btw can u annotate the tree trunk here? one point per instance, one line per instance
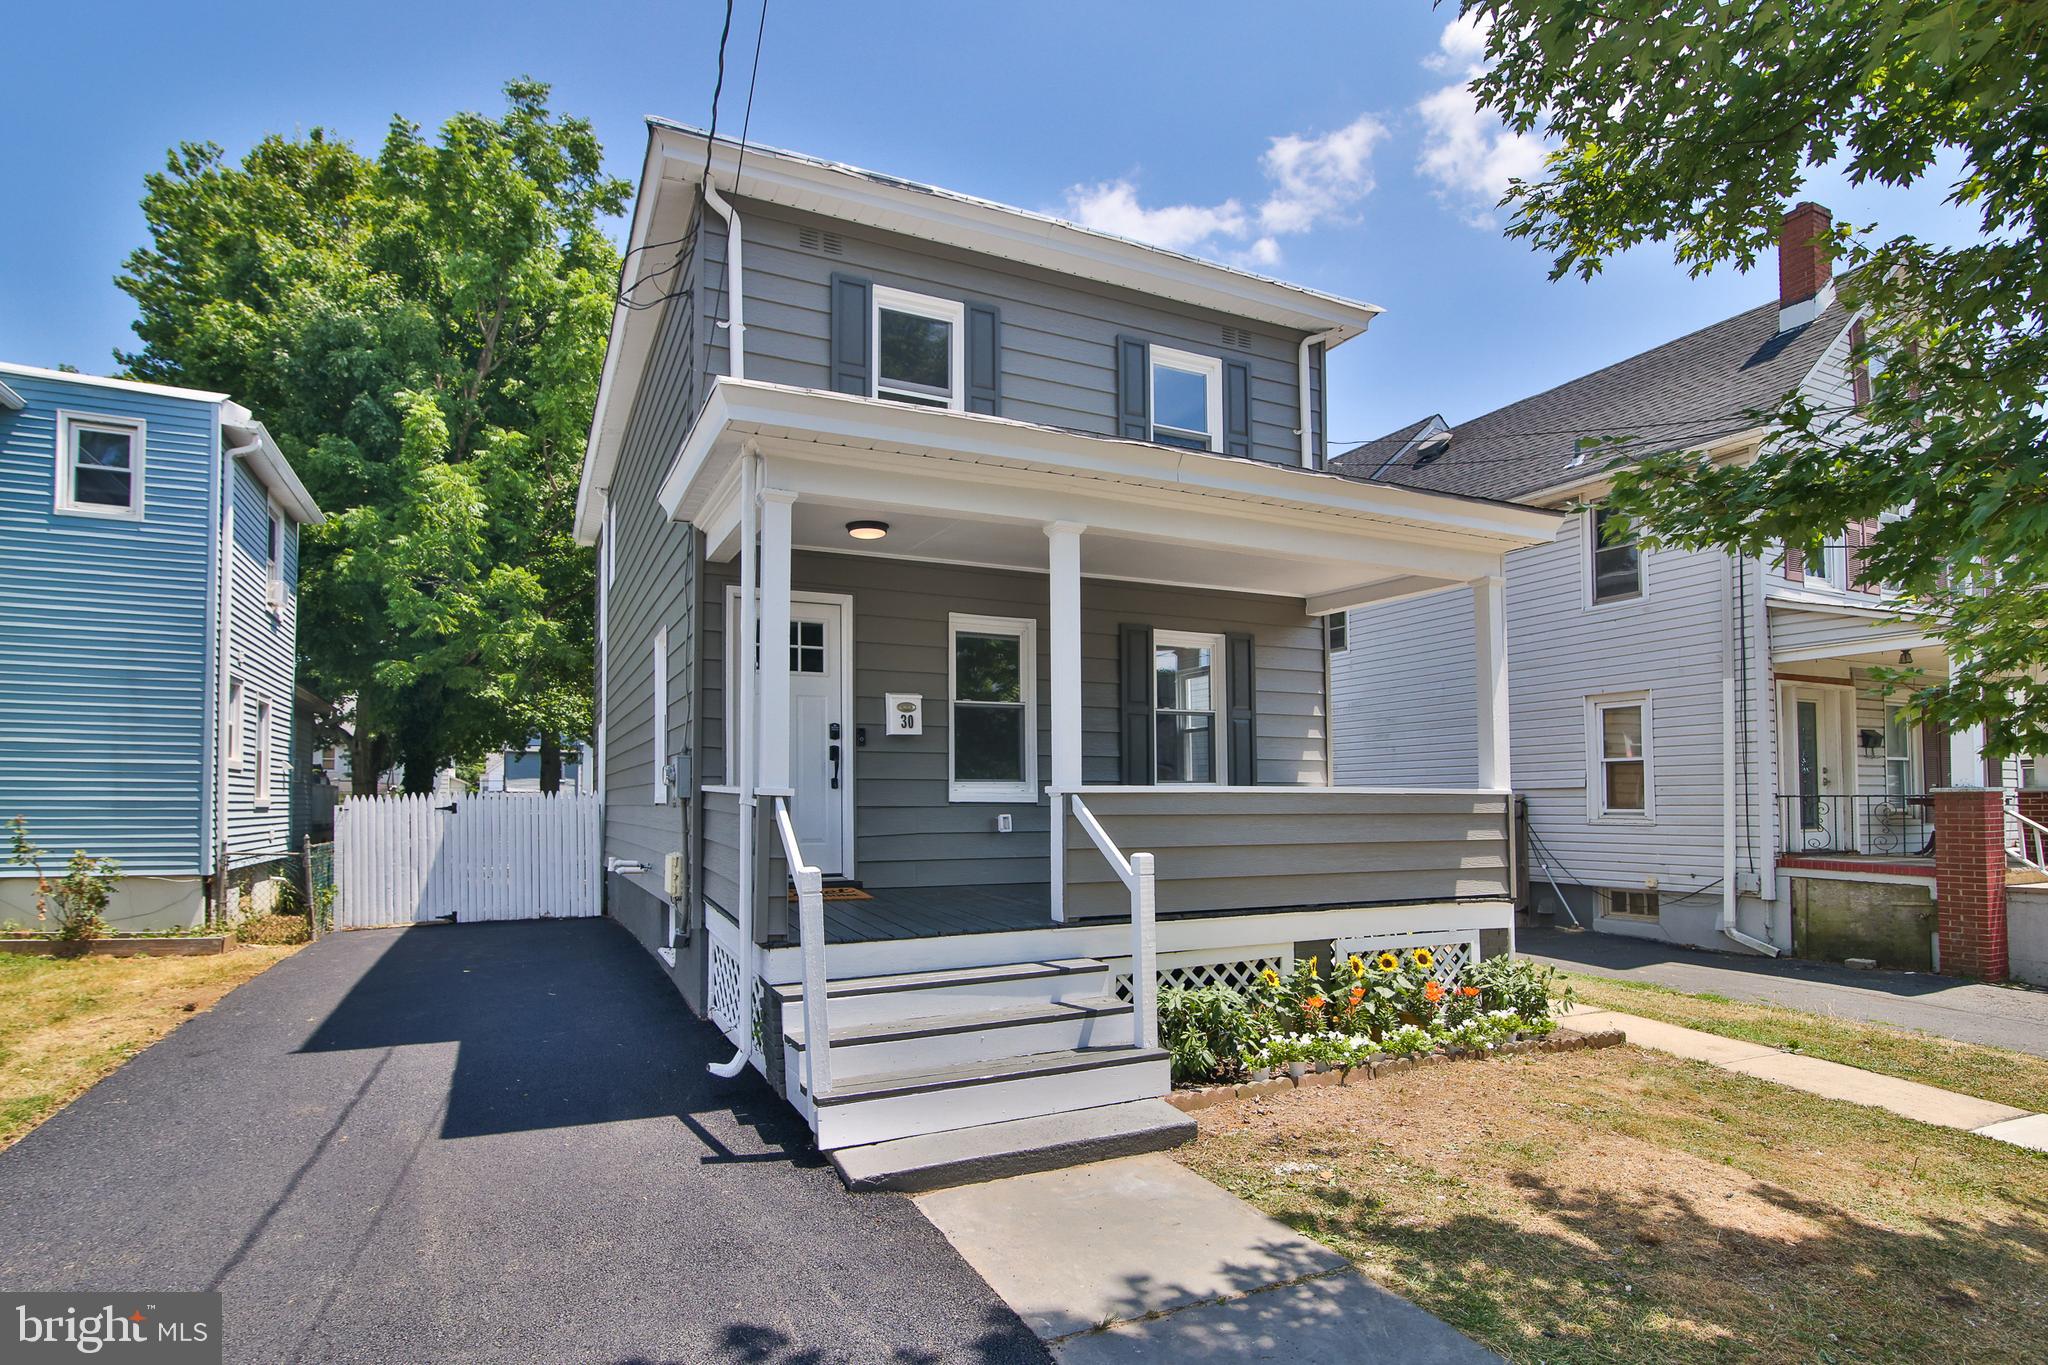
(550, 762)
(362, 764)
(419, 775)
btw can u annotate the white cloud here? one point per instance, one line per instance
(1467, 151)
(1314, 180)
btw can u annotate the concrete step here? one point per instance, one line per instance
(932, 1042)
(962, 990)
(962, 1156)
(879, 1108)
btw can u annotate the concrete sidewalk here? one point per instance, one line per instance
(1831, 1080)
(1141, 1259)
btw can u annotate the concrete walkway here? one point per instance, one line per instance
(1141, 1259)
(1967, 1011)
(1832, 1080)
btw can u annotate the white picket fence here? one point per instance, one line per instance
(407, 859)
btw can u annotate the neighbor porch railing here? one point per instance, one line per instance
(1884, 824)
(1135, 872)
(2030, 837)
(810, 916)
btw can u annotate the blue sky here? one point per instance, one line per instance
(1333, 148)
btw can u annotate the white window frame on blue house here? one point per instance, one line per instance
(69, 426)
(265, 725)
(237, 721)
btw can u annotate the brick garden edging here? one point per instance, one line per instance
(1187, 1101)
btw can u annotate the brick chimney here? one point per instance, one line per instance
(1806, 284)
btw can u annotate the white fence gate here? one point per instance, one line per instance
(405, 859)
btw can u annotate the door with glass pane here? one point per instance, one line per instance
(1188, 707)
(1814, 766)
(821, 772)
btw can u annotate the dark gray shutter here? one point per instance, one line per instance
(1237, 409)
(984, 359)
(1133, 389)
(1135, 682)
(1244, 696)
(852, 329)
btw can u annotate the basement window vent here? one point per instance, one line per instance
(1237, 338)
(811, 239)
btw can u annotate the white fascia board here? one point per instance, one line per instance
(1848, 649)
(607, 429)
(982, 225)
(1596, 483)
(270, 467)
(1796, 600)
(1379, 594)
(11, 400)
(100, 381)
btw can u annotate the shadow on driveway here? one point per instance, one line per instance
(485, 1142)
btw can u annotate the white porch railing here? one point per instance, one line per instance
(2030, 843)
(1136, 874)
(810, 915)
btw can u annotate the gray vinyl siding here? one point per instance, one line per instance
(907, 832)
(1059, 335)
(1795, 628)
(1409, 688)
(262, 656)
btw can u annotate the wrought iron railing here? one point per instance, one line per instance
(1894, 824)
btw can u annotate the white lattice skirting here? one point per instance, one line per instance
(723, 995)
(1453, 953)
(1197, 969)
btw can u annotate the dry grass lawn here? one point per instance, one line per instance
(1621, 1205)
(66, 1022)
(1989, 1073)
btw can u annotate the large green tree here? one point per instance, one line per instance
(1696, 123)
(422, 332)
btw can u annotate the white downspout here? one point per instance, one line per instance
(1307, 429)
(1730, 778)
(748, 743)
(223, 648)
(736, 303)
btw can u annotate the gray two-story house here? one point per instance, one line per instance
(963, 580)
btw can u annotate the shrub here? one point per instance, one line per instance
(81, 894)
(274, 929)
(1527, 988)
(1204, 1030)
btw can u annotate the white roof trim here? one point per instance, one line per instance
(10, 399)
(131, 385)
(269, 465)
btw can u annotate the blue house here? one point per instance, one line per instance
(149, 541)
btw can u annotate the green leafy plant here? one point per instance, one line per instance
(1205, 1031)
(1528, 988)
(81, 894)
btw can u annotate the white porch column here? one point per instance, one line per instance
(1490, 637)
(773, 777)
(1966, 757)
(1064, 559)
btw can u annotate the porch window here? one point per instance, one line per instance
(1187, 398)
(1188, 678)
(1900, 747)
(1617, 562)
(99, 466)
(918, 344)
(1621, 750)
(992, 686)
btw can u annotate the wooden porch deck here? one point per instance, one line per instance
(937, 911)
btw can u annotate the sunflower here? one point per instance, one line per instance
(1423, 958)
(1270, 977)
(1357, 965)
(1387, 962)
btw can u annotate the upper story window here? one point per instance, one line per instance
(99, 466)
(263, 748)
(1617, 566)
(1337, 631)
(1187, 398)
(273, 552)
(234, 722)
(918, 345)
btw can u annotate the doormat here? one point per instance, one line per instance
(837, 893)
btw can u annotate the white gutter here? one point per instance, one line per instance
(1329, 339)
(749, 771)
(1730, 778)
(736, 303)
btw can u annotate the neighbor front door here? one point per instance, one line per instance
(820, 738)
(1816, 768)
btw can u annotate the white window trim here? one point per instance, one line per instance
(951, 311)
(1608, 896)
(1913, 755)
(1026, 630)
(1592, 547)
(1219, 702)
(237, 721)
(1337, 623)
(68, 424)
(1596, 766)
(1210, 368)
(274, 566)
(661, 715)
(265, 725)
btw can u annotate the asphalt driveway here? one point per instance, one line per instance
(486, 1142)
(1967, 1011)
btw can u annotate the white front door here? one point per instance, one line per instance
(1816, 769)
(820, 737)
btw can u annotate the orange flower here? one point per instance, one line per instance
(1314, 1002)
(1468, 991)
(1432, 992)
(1357, 994)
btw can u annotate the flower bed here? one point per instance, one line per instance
(1365, 1013)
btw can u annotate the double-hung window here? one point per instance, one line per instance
(262, 799)
(99, 466)
(1337, 631)
(660, 722)
(919, 348)
(273, 551)
(1187, 399)
(1617, 566)
(233, 722)
(992, 690)
(1899, 752)
(1189, 708)
(1621, 753)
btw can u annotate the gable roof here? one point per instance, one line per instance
(1686, 393)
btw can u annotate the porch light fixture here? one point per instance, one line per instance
(867, 530)
(1905, 656)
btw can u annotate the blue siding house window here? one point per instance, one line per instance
(100, 465)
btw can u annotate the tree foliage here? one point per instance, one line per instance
(422, 332)
(1696, 123)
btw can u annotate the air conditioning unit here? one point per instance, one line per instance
(274, 594)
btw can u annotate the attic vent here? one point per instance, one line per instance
(1432, 449)
(1237, 338)
(813, 240)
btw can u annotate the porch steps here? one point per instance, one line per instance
(877, 999)
(1013, 1029)
(1045, 1142)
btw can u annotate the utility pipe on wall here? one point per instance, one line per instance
(735, 295)
(1307, 432)
(1731, 676)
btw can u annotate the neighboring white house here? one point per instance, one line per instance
(1704, 756)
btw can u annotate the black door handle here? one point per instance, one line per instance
(833, 751)
(450, 808)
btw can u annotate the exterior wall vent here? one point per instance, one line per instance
(1237, 338)
(811, 239)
